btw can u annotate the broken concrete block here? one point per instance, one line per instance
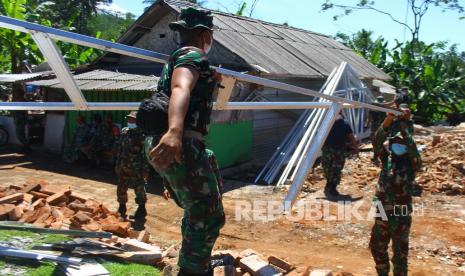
(43, 214)
(257, 267)
(12, 198)
(37, 204)
(136, 246)
(281, 264)
(144, 236)
(77, 206)
(92, 226)
(80, 218)
(16, 213)
(58, 197)
(117, 228)
(145, 257)
(247, 253)
(79, 197)
(67, 213)
(28, 198)
(321, 272)
(57, 214)
(343, 274)
(30, 187)
(228, 270)
(5, 209)
(38, 195)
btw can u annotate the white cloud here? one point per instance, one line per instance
(112, 8)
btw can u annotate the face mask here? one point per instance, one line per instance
(132, 126)
(399, 149)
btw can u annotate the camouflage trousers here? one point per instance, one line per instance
(196, 186)
(138, 182)
(397, 230)
(333, 161)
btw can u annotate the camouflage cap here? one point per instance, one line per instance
(404, 106)
(192, 18)
(380, 99)
(133, 114)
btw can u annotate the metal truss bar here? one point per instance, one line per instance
(300, 90)
(275, 105)
(26, 27)
(58, 64)
(311, 155)
(135, 105)
(23, 26)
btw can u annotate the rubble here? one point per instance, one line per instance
(50, 207)
(443, 157)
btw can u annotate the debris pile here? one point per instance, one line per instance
(56, 207)
(443, 157)
(43, 208)
(249, 262)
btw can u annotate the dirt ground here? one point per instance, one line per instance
(437, 238)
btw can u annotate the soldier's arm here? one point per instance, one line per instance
(169, 149)
(382, 133)
(412, 148)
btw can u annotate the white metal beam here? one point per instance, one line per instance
(58, 64)
(23, 26)
(135, 105)
(311, 155)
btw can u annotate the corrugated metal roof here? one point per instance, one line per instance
(22, 77)
(102, 80)
(283, 50)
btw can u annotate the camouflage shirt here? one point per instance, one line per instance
(201, 100)
(398, 172)
(377, 119)
(130, 156)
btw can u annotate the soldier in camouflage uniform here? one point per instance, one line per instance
(190, 170)
(101, 140)
(80, 138)
(375, 119)
(334, 153)
(400, 159)
(131, 167)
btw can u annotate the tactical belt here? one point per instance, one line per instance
(193, 135)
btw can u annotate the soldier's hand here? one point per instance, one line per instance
(167, 151)
(166, 195)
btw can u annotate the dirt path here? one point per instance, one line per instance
(437, 238)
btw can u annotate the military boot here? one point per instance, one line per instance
(140, 213)
(122, 210)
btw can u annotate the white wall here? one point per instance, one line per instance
(53, 136)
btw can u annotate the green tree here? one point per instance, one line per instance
(375, 51)
(435, 74)
(418, 8)
(151, 2)
(113, 25)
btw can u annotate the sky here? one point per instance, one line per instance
(307, 14)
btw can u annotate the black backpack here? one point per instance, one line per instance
(152, 117)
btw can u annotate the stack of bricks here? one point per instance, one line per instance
(48, 206)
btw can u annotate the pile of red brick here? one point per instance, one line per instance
(60, 208)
